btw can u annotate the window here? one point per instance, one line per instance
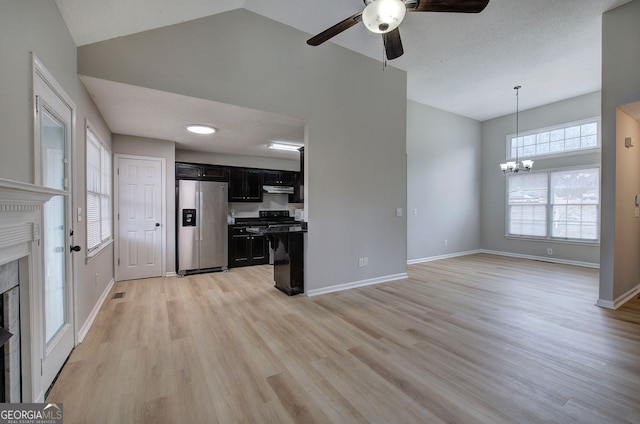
(575, 196)
(527, 201)
(568, 138)
(99, 218)
(559, 204)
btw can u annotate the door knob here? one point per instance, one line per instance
(157, 224)
(75, 248)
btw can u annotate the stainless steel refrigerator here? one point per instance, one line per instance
(202, 226)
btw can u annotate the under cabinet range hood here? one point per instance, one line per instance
(278, 189)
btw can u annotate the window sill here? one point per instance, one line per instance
(91, 256)
(554, 240)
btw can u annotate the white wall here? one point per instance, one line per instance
(235, 160)
(627, 232)
(36, 26)
(141, 146)
(443, 182)
(494, 133)
(620, 86)
(355, 114)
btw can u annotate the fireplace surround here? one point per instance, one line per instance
(21, 259)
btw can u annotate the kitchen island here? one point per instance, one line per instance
(287, 242)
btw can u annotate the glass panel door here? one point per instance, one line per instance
(54, 330)
(53, 141)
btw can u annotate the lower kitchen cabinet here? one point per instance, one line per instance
(247, 249)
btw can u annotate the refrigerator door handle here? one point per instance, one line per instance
(201, 210)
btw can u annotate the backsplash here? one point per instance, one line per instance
(269, 201)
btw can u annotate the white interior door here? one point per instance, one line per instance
(140, 230)
(53, 133)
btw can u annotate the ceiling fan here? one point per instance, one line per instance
(384, 17)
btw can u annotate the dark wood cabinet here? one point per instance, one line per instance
(246, 249)
(279, 178)
(298, 194)
(202, 172)
(288, 264)
(245, 185)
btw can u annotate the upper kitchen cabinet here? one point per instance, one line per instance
(245, 185)
(202, 172)
(279, 178)
(298, 195)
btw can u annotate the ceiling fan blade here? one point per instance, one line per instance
(455, 6)
(393, 44)
(335, 30)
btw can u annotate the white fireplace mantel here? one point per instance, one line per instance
(21, 207)
(18, 194)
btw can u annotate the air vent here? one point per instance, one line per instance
(119, 295)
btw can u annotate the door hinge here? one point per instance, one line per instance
(41, 371)
(118, 216)
(37, 104)
(118, 261)
(118, 171)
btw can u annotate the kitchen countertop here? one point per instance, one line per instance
(258, 222)
(280, 229)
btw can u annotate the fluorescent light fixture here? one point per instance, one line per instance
(201, 129)
(279, 145)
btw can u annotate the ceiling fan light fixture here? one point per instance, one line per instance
(382, 16)
(201, 129)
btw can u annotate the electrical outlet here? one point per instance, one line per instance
(365, 261)
(550, 251)
(360, 262)
(446, 243)
(96, 278)
(415, 211)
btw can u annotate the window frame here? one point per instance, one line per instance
(549, 205)
(564, 153)
(103, 149)
(549, 209)
(508, 215)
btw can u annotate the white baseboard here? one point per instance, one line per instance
(94, 312)
(541, 258)
(621, 300)
(437, 258)
(508, 254)
(170, 274)
(354, 284)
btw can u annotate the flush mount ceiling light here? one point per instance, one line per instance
(281, 145)
(382, 16)
(201, 129)
(516, 166)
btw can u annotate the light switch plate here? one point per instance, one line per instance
(79, 215)
(399, 212)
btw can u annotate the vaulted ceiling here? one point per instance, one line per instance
(463, 63)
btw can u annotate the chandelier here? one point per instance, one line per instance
(516, 166)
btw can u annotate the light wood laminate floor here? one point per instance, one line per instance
(477, 339)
